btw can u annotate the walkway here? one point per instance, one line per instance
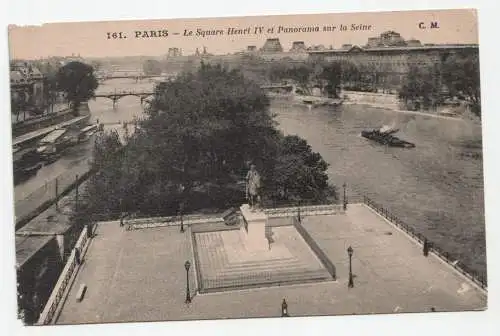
(139, 276)
(38, 133)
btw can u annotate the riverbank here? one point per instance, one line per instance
(391, 102)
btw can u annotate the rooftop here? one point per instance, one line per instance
(396, 49)
(27, 246)
(138, 275)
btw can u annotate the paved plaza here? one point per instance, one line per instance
(139, 276)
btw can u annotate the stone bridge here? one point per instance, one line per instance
(115, 96)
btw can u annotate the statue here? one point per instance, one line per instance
(253, 187)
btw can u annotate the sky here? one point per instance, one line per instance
(91, 39)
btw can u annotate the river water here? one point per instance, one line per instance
(437, 187)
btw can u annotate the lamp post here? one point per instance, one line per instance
(181, 206)
(180, 214)
(298, 213)
(350, 252)
(187, 264)
(284, 309)
(345, 199)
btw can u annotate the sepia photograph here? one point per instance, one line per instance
(247, 167)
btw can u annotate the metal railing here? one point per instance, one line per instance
(29, 206)
(305, 210)
(59, 290)
(479, 279)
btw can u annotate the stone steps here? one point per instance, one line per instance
(263, 279)
(225, 264)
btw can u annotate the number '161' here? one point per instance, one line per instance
(116, 35)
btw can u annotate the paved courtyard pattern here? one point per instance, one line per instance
(139, 276)
(225, 263)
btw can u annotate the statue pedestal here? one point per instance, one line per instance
(253, 231)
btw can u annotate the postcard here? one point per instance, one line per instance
(246, 167)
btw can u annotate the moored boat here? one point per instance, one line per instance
(385, 137)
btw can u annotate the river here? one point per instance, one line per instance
(437, 187)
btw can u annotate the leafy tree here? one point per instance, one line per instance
(461, 76)
(152, 67)
(102, 189)
(332, 74)
(421, 87)
(350, 75)
(299, 172)
(78, 81)
(301, 73)
(201, 131)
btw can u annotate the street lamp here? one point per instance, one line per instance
(298, 213)
(182, 219)
(284, 309)
(187, 264)
(345, 198)
(350, 252)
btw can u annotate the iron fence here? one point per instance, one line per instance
(59, 290)
(480, 279)
(50, 191)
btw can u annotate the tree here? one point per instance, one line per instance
(301, 73)
(78, 81)
(461, 76)
(299, 172)
(421, 87)
(152, 67)
(351, 75)
(332, 74)
(201, 131)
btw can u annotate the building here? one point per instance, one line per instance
(42, 247)
(272, 45)
(298, 46)
(389, 57)
(27, 85)
(174, 52)
(38, 265)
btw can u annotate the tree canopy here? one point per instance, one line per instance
(422, 86)
(461, 76)
(78, 81)
(194, 147)
(152, 67)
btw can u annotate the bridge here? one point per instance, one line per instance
(136, 77)
(117, 95)
(143, 95)
(103, 76)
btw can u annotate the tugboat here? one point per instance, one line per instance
(384, 136)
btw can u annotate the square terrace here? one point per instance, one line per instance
(139, 275)
(223, 263)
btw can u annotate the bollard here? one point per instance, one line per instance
(426, 247)
(284, 309)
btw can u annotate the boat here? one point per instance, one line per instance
(27, 162)
(86, 133)
(52, 145)
(384, 136)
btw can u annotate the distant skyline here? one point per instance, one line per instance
(90, 39)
